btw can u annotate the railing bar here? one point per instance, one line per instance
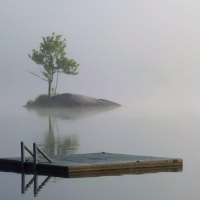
(29, 151)
(45, 156)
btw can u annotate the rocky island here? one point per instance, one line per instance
(69, 106)
(69, 100)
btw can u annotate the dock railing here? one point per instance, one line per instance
(33, 153)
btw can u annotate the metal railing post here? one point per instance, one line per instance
(22, 154)
(34, 155)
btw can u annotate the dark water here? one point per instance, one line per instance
(117, 131)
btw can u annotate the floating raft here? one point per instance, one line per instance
(93, 164)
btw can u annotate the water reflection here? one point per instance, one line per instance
(54, 144)
(71, 113)
(34, 180)
(38, 187)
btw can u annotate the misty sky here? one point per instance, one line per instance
(140, 53)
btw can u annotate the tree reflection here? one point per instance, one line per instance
(59, 145)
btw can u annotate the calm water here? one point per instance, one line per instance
(117, 131)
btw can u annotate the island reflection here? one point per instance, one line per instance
(55, 144)
(70, 113)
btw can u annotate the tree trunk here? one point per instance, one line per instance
(56, 82)
(49, 87)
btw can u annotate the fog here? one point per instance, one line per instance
(141, 54)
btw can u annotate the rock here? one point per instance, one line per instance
(75, 100)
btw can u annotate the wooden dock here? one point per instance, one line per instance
(93, 164)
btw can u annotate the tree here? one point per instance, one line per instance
(52, 56)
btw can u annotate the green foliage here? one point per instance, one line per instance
(52, 56)
(39, 101)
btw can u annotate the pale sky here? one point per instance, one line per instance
(140, 53)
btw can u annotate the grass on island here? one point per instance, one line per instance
(39, 101)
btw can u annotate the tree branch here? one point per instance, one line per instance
(38, 76)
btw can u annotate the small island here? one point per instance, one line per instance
(51, 55)
(69, 100)
(69, 106)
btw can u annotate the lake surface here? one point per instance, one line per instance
(116, 131)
